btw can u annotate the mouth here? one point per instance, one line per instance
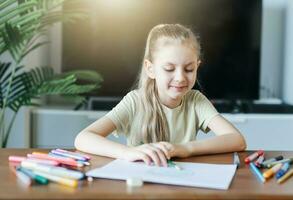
(178, 87)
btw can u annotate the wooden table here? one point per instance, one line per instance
(244, 185)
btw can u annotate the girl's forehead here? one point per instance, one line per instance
(175, 52)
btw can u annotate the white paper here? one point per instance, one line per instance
(216, 176)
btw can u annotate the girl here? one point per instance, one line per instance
(162, 116)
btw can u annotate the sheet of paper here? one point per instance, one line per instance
(216, 176)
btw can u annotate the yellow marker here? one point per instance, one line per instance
(57, 179)
(272, 171)
(286, 176)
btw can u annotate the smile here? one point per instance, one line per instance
(178, 87)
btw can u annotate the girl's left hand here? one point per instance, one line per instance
(176, 150)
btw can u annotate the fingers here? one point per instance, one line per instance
(156, 155)
(153, 153)
(146, 159)
(162, 159)
(165, 147)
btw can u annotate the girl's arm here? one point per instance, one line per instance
(93, 140)
(227, 139)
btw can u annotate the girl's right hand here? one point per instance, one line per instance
(156, 153)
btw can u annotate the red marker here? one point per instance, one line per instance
(253, 156)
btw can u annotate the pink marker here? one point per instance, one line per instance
(19, 159)
(253, 156)
(16, 158)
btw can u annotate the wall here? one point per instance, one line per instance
(272, 49)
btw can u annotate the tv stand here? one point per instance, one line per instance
(244, 106)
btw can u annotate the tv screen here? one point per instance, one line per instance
(112, 41)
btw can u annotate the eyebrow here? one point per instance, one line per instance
(185, 65)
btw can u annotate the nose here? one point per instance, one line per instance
(179, 76)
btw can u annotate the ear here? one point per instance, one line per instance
(198, 63)
(149, 68)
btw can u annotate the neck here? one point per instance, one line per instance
(171, 103)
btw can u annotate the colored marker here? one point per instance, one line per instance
(19, 159)
(16, 158)
(57, 179)
(61, 156)
(24, 179)
(286, 176)
(74, 153)
(66, 161)
(259, 160)
(270, 172)
(289, 160)
(253, 156)
(272, 160)
(68, 155)
(236, 160)
(257, 173)
(37, 178)
(56, 171)
(172, 164)
(283, 170)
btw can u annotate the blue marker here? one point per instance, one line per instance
(256, 172)
(283, 170)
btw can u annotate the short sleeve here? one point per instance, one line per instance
(205, 111)
(122, 114)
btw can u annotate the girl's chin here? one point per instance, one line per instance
(176, 95)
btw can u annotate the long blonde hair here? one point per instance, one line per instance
(154, 126)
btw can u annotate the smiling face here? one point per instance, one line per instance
(174, 67)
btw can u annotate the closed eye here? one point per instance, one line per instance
(169, 70)
(189, 70)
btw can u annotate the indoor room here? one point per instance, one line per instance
(158, 82)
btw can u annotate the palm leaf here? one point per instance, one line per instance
(85, 75)
(3, 70)
(22, 21)
(14, 40)
(37, 82)
(9, 12)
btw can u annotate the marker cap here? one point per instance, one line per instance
(134, 182)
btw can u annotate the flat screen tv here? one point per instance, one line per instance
(112, 41)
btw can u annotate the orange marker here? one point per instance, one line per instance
(270, 172)
(253, 156)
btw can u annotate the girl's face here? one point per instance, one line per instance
(174, 68)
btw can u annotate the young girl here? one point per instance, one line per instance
(162, 116)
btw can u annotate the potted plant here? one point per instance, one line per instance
(22, 23)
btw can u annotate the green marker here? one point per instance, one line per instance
(172, 164)
(37, 178)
